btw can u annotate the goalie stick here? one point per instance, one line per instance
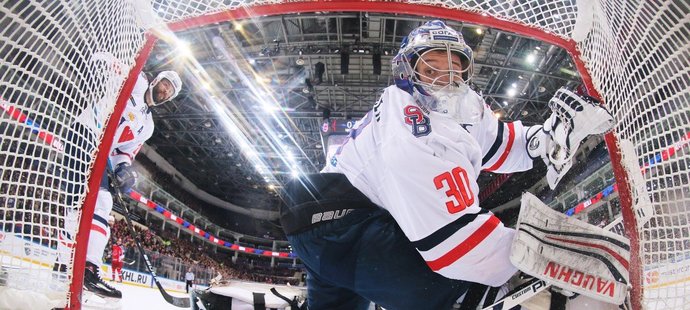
(520, 294)
(182, 302)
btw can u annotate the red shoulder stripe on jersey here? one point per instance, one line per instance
(98, 229)
(465, 246)
(509, 146)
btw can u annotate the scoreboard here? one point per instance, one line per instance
(334, 132)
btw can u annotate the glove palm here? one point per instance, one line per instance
(573, 118)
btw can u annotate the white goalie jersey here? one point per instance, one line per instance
(422, 167)
(135, 125)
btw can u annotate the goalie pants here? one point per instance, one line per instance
(364, 257)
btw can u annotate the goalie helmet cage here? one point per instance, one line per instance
(60, 57)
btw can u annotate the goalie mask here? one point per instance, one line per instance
(433, 65)
(160, 94)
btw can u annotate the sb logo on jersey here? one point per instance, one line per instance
(421, 126)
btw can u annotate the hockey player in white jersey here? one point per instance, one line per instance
(416, 157)
(135, 126)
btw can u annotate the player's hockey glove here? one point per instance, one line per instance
(125, 177)
(573, 118)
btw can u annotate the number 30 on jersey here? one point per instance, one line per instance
(457, 187)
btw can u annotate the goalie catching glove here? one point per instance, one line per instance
(125, 177)
(573, 118)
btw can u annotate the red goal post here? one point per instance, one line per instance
(631, 54)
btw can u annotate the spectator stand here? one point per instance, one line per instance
(173, 246)
(171, 258)
(200, 226)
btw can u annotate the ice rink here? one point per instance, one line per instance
(135, 298)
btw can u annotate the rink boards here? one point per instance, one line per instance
(17, 253)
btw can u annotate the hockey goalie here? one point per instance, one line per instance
(394, 217)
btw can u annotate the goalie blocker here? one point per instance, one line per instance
(569, 253)
(318, 199)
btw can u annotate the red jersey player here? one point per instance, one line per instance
(117, 257)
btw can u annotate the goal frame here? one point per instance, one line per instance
(376, 6)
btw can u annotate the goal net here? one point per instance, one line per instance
(61, 60)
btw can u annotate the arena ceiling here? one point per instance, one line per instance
(263, 72)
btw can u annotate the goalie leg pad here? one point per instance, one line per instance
(569, 253)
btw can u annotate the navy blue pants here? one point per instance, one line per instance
(365, 257)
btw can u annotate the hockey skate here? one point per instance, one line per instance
(95, 284)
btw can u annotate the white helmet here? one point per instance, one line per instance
(452, 96)
(174, 79)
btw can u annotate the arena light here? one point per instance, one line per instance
(274, 130)
(250, 152)
(511, 92)
(236, 127)
(184, 49)
(268, 107)
(239, 129)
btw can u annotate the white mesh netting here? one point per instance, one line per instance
(57, 63)
(61, 58)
